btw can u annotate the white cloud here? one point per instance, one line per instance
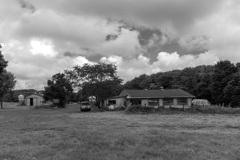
(126, 44)
(129, 69)
(33, 70)
(35, 41)
(44, 47)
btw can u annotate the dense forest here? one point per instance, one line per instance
(219, 83)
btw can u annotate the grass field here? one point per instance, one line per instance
(68, 134)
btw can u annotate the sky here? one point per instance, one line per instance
(41, 38)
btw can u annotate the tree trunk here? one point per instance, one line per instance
(1, 103)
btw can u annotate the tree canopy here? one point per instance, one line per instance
(217, 83)
(99, 80)
(7, 79)
(59, 87)
(3, 62)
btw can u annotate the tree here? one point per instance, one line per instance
(99, 80)
(59, 87)
(223, 73)
(7, 83)
(232, 91)
(3, 62)
(141, 82)
(7, 79)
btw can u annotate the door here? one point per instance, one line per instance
(31, 101)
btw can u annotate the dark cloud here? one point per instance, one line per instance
(111, 37)
(70, 54)
(27, 5)
(152, 13)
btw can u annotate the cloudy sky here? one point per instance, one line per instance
(44, 37)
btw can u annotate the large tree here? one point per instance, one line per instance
(3, 62)
(7, 83)
(59, 87)
(232, 91)
(7, 79)
(99, 80)
(223, 73)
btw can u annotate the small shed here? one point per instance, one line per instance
(34, 100)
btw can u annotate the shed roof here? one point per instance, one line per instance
(33, 95)
(168, 93)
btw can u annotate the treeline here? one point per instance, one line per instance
(219, 83)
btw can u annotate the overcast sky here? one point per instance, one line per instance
(44, 37)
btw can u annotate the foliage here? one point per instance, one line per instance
(7, 83)
(139, 109)
(3, 62)
(59, 87)
(217, 83)
(7, 79)
(223, 73)
(99, 80)
(215, 110)
(232, 90)
(195, 80)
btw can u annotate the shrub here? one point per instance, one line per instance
(139, 109)
(50, 106)
(216, 110)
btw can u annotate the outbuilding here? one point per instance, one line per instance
(34, 100)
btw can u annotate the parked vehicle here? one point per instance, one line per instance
(85, 106)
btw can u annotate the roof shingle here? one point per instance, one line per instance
(168, 93)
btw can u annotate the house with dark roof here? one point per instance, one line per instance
(153, 98)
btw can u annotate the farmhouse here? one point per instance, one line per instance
(33, 100)
(153, 98)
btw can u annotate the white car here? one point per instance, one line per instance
(85, 106)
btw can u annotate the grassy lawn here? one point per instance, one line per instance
(57, 134)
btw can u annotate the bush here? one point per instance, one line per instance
(216, 110)
(139, 109)
(50, 106)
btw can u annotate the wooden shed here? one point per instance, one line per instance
(34, 100)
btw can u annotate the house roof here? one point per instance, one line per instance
(115, 97)
(168, 93)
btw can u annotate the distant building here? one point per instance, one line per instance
(34, 100)
(153, 98)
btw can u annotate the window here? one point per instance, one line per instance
(167, 101)
(153, 102)
(135, 101)
(111, 102)
(182, 101)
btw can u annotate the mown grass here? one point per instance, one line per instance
(59, 134)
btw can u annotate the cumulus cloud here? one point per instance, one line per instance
(44, 37)
(179, 14)
(32, 69)
(165, 62)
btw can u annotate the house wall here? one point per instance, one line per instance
(144, 102)
(160, 102)
(119, 101)
(37, 100)
(189, 101)
(175, 101)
